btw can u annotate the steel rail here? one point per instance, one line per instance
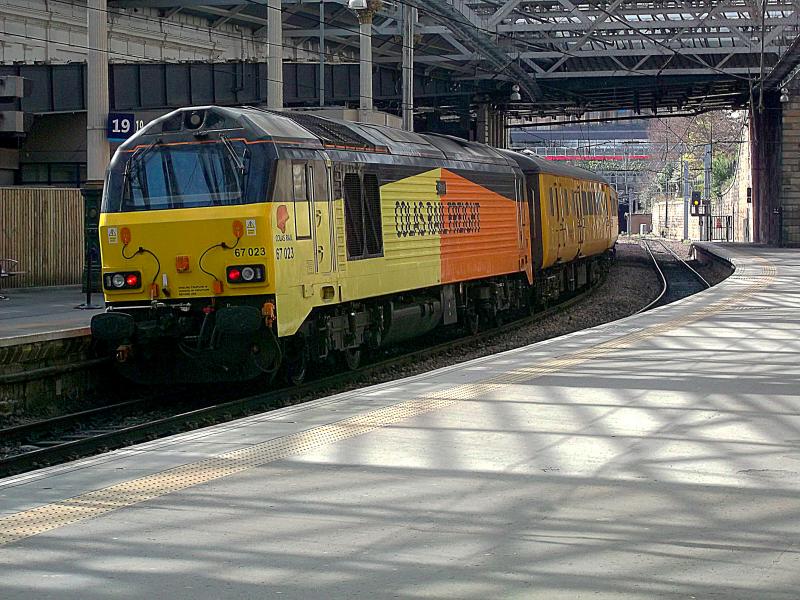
(663, 280)
(684, 263)
(207, 415)
(46, 426)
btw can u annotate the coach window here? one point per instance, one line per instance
(302, 204)
(552, 204)
(564, 200)
(586, 208)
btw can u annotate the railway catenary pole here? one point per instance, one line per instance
(686, 196)
(275, 56)
(705, 223)
(409, 18)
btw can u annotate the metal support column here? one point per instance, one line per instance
(482, 125)
(706, 221)
(409, 18)
(365, 59)
(322, 52)
(98, 150)
(275, 59)
(687, 192)
(97, 147)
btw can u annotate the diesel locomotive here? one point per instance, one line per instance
(239, 241)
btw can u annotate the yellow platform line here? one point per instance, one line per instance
(25, 524)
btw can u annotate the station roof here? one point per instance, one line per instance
(567, 57)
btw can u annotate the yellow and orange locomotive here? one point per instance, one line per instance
(238, 240)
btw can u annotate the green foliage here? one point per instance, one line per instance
(723, 168)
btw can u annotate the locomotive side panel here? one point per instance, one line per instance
(481, 229)
(407, 255)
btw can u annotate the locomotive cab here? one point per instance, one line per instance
(188, 267)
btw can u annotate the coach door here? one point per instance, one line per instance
(561, 207)
(323, 218)
(580, 216)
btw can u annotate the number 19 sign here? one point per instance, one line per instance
(120, 126)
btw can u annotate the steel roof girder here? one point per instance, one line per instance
(655, 51)
(463, 28)
(607, 25)
(503, 12)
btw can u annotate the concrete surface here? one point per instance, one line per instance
(39, 314)
(654, 457)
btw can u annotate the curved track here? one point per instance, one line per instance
(678, 278)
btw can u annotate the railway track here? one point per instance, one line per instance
(678, 278)
(72, 436)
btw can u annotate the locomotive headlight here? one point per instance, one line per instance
(246, 274)
(127, 280)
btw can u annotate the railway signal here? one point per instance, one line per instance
(696, 204)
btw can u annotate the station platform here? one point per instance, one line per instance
(654, 457)
(43, 314)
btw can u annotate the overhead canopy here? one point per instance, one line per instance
(567, 58)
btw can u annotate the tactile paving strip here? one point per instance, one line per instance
(32, 522)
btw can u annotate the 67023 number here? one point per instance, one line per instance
(286, 253)
(241, 252)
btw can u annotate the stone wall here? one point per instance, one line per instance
(668, 220)
(789, 217)
(54, 32)
(734, 198)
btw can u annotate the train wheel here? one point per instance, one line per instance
(498, 319)
(352, 358)
(473, 322)
(296, 361)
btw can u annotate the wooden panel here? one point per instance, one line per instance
(42, 228)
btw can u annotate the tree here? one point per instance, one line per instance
(723, 168)
(685, 138)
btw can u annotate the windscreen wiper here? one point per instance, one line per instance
(236, 158)
(137, 155)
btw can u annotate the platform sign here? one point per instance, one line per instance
(120, 126)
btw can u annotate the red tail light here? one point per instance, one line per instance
(127, 280)
(246, 274)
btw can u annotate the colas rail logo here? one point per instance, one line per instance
(281, 217)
